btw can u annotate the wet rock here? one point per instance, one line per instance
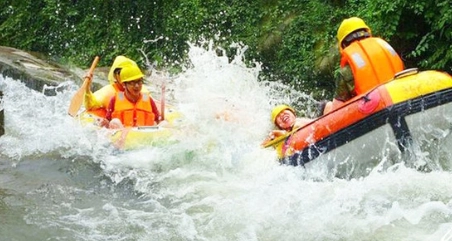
(38, 72)
(34, 72)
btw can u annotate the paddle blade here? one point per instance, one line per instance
(77, 100)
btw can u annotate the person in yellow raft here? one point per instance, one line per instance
(96, 103)
(285, 120)
(131, 107)
(366, 62)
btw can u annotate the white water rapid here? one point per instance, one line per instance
(58, 181)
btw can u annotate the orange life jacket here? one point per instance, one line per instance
(373, 62)
(104, 96)
(133, 114)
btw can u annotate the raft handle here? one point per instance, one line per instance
(406, 72)
(148, 127)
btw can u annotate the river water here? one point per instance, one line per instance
(60, 181)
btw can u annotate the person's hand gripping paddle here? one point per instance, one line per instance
(77, 100)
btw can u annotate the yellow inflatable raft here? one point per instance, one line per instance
(139, 137)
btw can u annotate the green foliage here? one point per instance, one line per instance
(302, 44)
(420, 30)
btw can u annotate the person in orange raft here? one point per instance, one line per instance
(131, 107)
(366, 62)
(96, 103)
(285, 120)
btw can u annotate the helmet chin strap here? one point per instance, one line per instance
(117, 80)
(291, 127)
(129, 95)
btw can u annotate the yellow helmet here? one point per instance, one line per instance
(349, 26)
(119, 62)
(278, 109)
(130, 73)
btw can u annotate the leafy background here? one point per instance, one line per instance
(293, 39)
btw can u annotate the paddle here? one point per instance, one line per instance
(77, 100)
(278, 139)
(162, 104)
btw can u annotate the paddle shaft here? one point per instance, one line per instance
(77, 99)
(279, 139)
(162, 104)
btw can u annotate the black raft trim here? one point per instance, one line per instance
(394, 115)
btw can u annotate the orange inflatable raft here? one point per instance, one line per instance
(414, 107)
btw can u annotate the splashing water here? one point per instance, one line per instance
(60, 181)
